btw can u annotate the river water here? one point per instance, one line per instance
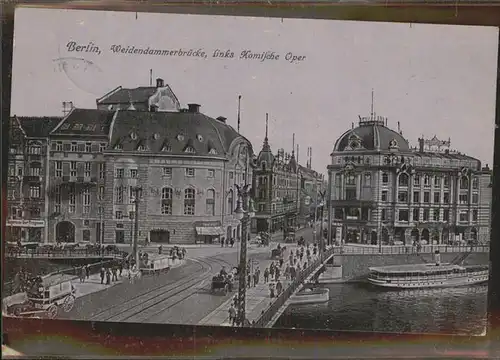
(361, 307)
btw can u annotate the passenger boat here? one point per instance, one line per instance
(431, 275)
(311, 296)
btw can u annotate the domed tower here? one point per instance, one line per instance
(367, 162)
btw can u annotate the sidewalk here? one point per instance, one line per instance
(257, 298)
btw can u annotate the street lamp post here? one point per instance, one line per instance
(137, 190)
(244, 212)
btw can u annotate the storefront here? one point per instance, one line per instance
(208, 232)
(25, 230)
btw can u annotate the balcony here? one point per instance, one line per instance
(353, 203)
(32, 179)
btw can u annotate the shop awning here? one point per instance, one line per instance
(210, 230)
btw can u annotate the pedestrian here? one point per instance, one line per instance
(287, 272)
(249, 279)
(102, 272)
(255, 279)
(87, 271)
(277, 273)
(293, 273)
(235, 300)
(120, 267)
(279, 287)
(281, 262)
(232, 242)
(183, 252)
(271, 270)
(160, 249)
(222, 242)
(82, 274)
(232, 315)
(108, 277)
(266, 275)
(257, 273)
(271, 290)
(114, 271)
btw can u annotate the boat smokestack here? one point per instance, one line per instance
(437, 257)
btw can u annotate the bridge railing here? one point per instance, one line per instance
(281, 299)
(63, 253)
(406, 249)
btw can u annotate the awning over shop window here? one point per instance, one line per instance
(210, 230)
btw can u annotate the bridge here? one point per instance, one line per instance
(60, 254)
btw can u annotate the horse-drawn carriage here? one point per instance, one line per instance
(225, 282)
(43, 298)
(289, 235)
(277, 253)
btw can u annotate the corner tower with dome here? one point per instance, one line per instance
(384, 192)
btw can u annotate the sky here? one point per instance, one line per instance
(432, 79)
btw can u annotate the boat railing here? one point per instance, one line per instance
(353, 249)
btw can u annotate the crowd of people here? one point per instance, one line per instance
(298, 261)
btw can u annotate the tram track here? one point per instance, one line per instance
(146, 303)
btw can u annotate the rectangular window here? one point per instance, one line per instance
(102, 147)
(119, 236)
(475, 215)
(58, 168)
(427, 197)
(189, 172)
(403, 196)
(435, 215)
(119, 195)
(101, 193)
(368, 179)
(231, 175)
(210, 207)
(167, 172)
(446, 181)
(416, 196)
(133, 173)
(350, 194)
(385, 178)
(72, 168)
(74, 147)
(416, 214)
(131, 215)
(416, 180)
(464, 216)
(189, 202)
(20, 172)
(119, 173)
(34, 191)
(59, 146)
(383, 215)
(384, 195)
(446, 198)
(131, 194)
(463, 199)
(437, 181)
(350, 180)
(426, 215)
(88, 147)
(102, 170)
(88, 169)
(403, 215)
(72, 201)
(35, 171)
(166, 201)
(118, 215)
(446, 215)
(11, 193)
(475, 183)
(12, 170)
(475, 198)
(427, 181)
(211, 173)
(437, 197)
(100, 210)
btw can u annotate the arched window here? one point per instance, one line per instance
(350, 179)
(475, 183)
(230, 202)
(189, 201)
(35, 149)
(210, 203)
(263, 164)
(403, 179)
(464, 182)
(166, 201)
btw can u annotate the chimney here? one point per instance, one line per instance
(194, 108)
(421, 144)
(67, 107)
(222, 119)
(159, 83)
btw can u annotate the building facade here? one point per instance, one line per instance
(28, 178)
(311, 188)
(382, 191)
(177, 167)
(276, 184)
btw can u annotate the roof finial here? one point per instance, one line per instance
(371, 112)
(267, 121)
(239, 112)
(293, 144)
(266, 140)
